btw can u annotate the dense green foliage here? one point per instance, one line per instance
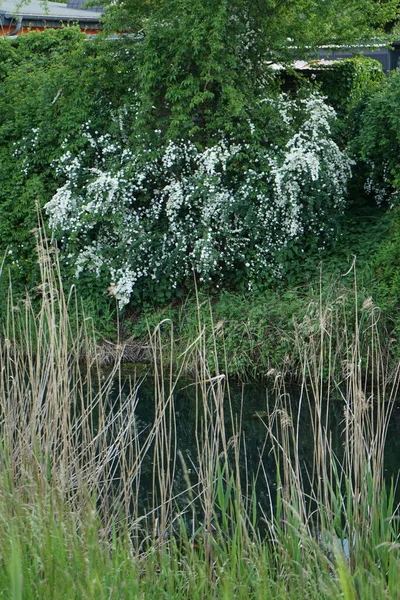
(51, 83)
(377, 144)
(348, 81)
(378, 139)
(203, 63)
(387, 266)
(149, 113)
(75, 111)
(203, 28)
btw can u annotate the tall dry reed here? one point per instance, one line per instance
(67, 437)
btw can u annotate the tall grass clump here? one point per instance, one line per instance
(78, 518)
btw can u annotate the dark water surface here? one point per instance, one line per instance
(249, 404)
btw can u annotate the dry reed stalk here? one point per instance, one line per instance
(64, 434)
(367, 393)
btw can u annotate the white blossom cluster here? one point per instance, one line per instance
(379, 184)
(25, 147)
(145, 217)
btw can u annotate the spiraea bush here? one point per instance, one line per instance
(144, 220)
(138, 209)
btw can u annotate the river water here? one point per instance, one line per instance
(246, 407)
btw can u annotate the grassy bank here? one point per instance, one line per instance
(73, 521)
(258, 333)
(254, 333)
(261, 334)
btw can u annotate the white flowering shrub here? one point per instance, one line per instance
(145, 220)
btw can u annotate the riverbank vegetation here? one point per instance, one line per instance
(169, 197)
(76, 459)
(260, 202)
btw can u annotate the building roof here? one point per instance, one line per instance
(15, 14)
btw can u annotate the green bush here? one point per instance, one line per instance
(144, 221)
(346, 82)
(50, 83)
(377, 142)
(387, 267)
(87, 108)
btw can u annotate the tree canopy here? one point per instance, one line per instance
(203, 61)
(269, 23)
